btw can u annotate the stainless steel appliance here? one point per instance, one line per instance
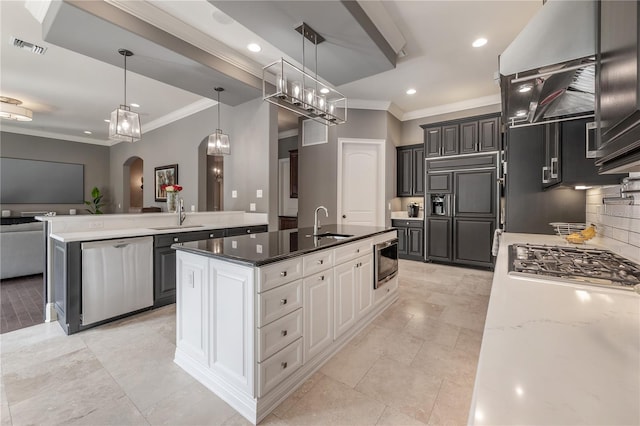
(117, 277)
(575, 264)
(440, 204)
(385, 262)
(413, 209)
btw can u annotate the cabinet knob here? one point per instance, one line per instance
(321, 277)
(283, 365)
(283, 301)
(176, 239)
(320, 262)
(358, 251)
(344, 216)
(283, 273)
(210, 235)
(284, 333)
(248, 231)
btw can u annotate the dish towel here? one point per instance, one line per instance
(496, 242)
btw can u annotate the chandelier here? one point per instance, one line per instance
(11, 110)
(296, 90)
(124, 124)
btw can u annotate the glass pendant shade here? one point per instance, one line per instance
(124, 125)
(218, 144)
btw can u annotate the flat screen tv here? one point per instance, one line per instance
(40, 182)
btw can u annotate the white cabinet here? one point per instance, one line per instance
(318, 313)
(192, 325)
(353, 292)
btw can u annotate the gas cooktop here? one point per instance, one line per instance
(579, 265)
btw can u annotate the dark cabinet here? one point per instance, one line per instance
(473, 240)
(551, 174)
(618, 91)
(475, 193)
(243, 230)
(439, 237)
(439, 182)
(478, 134)
(488, 134)
(287, 222)
(293, 173)
(410, 238)
(410, 171)
(468, 137)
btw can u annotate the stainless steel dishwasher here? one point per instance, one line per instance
(117, 277)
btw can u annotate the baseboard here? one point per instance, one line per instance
(50, 314)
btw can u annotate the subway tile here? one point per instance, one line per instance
(634, 239)
(621, 235)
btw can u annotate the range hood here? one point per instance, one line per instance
(547, 74)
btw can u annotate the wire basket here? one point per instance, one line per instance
(563, 228)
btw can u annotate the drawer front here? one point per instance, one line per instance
(317, 262)
(182, 237)
(408, 223)
(353, 250)
(278, 334)
(381, 293)
(276, 303)
(280, 366)
(275, 275)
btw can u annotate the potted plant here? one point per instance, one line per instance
(96, 203)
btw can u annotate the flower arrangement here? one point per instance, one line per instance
(171, 188)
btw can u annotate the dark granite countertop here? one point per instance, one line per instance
(269, 247)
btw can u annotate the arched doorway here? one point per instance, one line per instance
(133, 185)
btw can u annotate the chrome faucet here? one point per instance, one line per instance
(181, 214)
(316, 225)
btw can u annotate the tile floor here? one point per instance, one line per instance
(415, 364)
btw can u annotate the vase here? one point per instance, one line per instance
(172, 201)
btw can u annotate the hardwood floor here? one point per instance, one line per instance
(21, 302)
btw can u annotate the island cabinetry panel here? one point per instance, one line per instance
(192, 325)
(280, 366)
(279, 301)
(315, 262)
(353, 292)
(318, 313)
(278, 334)
(279, 273)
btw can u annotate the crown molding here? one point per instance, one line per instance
(51, 135)
(368, 104)
(179, 114)
(452, 107)
(396, 111)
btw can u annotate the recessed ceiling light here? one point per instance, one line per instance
(411, 92)
(106, 120)
(324, 90)
(254, 47)
(87, 132)
(135, 105)
(479, 42)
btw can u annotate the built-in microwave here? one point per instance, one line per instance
(385, 262)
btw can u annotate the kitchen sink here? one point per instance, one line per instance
(331, 235)
(176, 227)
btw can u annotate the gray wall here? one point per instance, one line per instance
(253, 150)
(94, 157)
(412, 132)
(318, 166)
(287, 144)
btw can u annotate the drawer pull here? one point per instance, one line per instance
(284, 365)
(283, 273)
(284, 333)
(210, 235)
(321, 277)
(320, 262)
(283, 301)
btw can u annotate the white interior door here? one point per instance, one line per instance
(361, 182)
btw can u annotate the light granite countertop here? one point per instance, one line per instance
(557, 353)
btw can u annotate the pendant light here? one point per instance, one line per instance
(218, 143)
(124, 124)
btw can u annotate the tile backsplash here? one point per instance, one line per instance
(620, 222)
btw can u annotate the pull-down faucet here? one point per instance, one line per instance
(181, 214)
(316, 225)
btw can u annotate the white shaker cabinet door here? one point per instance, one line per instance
(318, 313)
(344, 298)
(192, 324)
(364, 278)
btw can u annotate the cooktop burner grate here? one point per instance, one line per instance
(583, 265)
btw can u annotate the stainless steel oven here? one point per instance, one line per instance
(385, 262)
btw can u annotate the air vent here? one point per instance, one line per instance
(27, 46)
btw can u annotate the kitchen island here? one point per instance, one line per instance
(258, 314)
(555, 352)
